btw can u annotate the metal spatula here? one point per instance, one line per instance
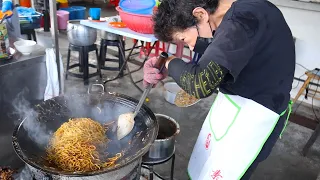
(126, 121)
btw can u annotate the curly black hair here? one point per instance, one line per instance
(176, 15)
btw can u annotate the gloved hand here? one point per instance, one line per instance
(6, 5)
(152, 75)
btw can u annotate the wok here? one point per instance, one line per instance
(32, 136)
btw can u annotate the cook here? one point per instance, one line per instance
(247, 53)
(13, 24)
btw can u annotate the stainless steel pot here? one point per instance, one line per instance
(109, 36)
(81, 35)
(163, 147)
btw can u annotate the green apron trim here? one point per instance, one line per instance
(189, 175)
(266, 138)
(234, 119)
(288, 116)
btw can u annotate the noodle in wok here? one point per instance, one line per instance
(75, 146)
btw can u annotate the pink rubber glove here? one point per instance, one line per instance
(153, 75)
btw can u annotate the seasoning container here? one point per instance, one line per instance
(4, 41)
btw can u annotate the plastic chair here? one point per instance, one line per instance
(158, 48)
(114, 2)
(179, 51)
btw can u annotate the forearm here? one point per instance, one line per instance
(198, 80)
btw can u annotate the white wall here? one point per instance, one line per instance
(305, 26)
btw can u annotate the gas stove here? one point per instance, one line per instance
(130, 172)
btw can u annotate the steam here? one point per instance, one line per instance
(36, 131)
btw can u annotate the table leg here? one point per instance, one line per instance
(145, 59)
(122, 50)
(130, 72)
(124, 64)
(131, 79)
(311, 141)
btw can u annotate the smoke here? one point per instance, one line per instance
(36, 131)
(24, 174)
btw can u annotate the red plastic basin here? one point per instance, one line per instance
(137, 22)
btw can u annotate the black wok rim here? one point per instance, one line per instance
(138, 155)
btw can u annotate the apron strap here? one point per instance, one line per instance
(288, 116)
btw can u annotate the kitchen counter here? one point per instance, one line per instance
(18, 57)
(304, 5)
(21, 78)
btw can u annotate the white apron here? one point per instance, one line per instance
(231, 138)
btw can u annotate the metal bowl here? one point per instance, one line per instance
(109, 36)
(170, 91)
(163, 147)
(81, 35)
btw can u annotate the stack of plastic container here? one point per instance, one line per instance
(75, 12)
(137, 14)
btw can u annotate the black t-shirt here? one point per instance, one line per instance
(254, 43)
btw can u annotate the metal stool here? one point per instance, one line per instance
(148, 163)
(31, 34)
(83, 62)
(103, 51)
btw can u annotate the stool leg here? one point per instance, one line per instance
(34, 35)
(85, 63)
(68, 62)
(304, 86)
(98, 63)
(103, 49)
(80, 61)
(172, 166)
(150, 172)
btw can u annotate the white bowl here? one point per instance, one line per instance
(170, 92)
(25, 46)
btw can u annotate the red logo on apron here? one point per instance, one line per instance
(216, 175)
(208, 141)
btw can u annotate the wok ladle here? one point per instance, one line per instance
(126, 121)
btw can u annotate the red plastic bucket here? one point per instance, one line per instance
(63, 18)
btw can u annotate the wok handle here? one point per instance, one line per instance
(98, 85)
(160, 64)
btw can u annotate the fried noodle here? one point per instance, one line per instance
(75, 146)
(183, 99)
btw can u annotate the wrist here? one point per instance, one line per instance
(169, 60)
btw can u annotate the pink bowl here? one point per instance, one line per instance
(137, 22)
